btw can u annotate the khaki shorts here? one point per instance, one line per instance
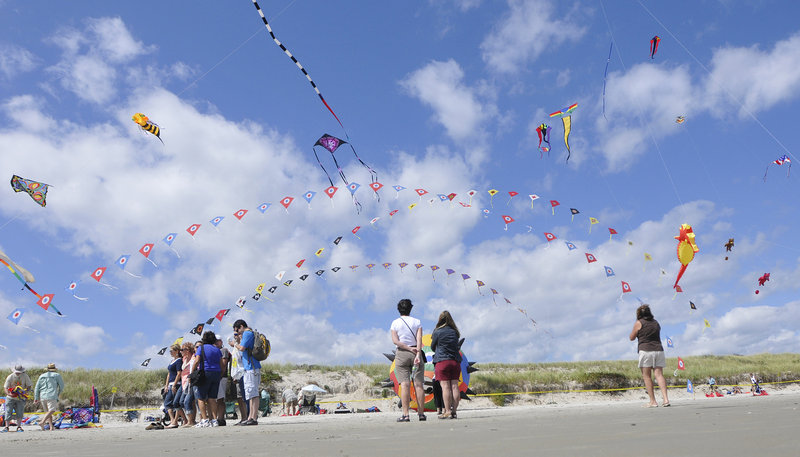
(652, 359)
(223, 387)
(403, 364)
(49, 405)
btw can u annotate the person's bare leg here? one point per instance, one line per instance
(456, 394)
(447, 397)
(420, 397)
(405, 396)
(254, 407)
(662, 384)
(648, 384)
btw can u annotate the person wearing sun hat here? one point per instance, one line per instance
(17, 386)
(48, 388)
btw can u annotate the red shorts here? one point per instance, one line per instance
(447, 370)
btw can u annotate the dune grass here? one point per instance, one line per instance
(140, 387)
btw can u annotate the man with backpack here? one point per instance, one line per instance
(252, 367)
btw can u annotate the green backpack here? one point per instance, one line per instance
(261, 347)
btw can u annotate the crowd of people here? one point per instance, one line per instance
(202, 374)
(18, 385)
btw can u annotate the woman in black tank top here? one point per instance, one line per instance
(651, 353)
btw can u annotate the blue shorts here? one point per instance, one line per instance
(209, 387)
(169, 398)
(187, 401)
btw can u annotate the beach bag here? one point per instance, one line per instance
(261, 347)
(198, 377)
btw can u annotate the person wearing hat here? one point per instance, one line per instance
(48, 387)
(17, 386)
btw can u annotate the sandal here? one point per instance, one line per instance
(422, 417)
(19, 429)
(453, 416)
(403, 419)
(443, 416)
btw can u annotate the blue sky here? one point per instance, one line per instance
(439, 95)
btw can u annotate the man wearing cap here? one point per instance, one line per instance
(48, 387)
(17, 386)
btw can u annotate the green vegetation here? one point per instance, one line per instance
(138, 387)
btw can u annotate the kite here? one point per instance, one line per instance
(37, 190)
(122, 261)
(433, 271)
(681, 365)
(337, 240)
(533, 197)
(386, 265)
(331, 144)
(647, 258)
(678, 289)
(370, 265)
(402, 265)
(163, 350)
(145, 251)
(686, 249)
(762, 280)
(654, 46)
(198, 329)
(779, 161)
(356, 229)
(168, 241)
(146, 362)
(609, 271)
(728, 246)
(146, 125)
(193, 229)
(465, 276)
(215, 222)
(16, 315)
(605, 74)
(625, 287)
(397, 189)
(570, 246)
(611, 232)
(507, 220)
(97, 275)
(566, 120)
(692, 305)
(549, 236)
(511, 194)
(471, 194)
(574, 211)
(553, 204)
(264, 207)
(590, 258)
(543, 130)
(286, 202)
(376, 186)
(71, 288)
(480, 283)
(670, 344)
(211, 319)
(240, 214)
(492, 193)
(680, 119)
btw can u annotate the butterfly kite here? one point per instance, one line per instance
(148, 126)
(686, 249)
(566, 120)
(37, 190)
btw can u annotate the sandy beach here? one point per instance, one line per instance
(562, 424)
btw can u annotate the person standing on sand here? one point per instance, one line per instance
(407, 336)
(171, 384)
(252, 370)
(237, 373)
(651, 353)
(206, 391)
(187, 397)
(225, 365)
(17, 386)
(48, 387)
(447, 362)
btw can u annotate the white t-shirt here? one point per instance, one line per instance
(406, 333)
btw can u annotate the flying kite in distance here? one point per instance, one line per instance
(331, 144)
(728, 246)
(147, 125)
(780, 161)
(762, 280)
(543, 130)
(654, 46)
(686, 249)
(680, 119)
(566, 120)
(37, 190)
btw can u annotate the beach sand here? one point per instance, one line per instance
(560, 424)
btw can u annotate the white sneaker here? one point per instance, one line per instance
(203, 424)
(214, 423)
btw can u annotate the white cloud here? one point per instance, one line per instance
(114, 41)
(15, 60)
(456, 106)
(26, 111)
(525, 33)
(755, 79)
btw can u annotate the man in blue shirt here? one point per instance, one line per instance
(252, 370)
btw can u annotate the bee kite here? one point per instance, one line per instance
(148, 126)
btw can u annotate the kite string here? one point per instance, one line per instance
(234, 51)
(9, 221)
(641, 119)
(741, 105)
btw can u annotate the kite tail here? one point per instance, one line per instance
(373, 173)
(134, 275)
(176, 252)
(320, 165)
(789, 170)
(80, 298)
(154, 264)
(765, 173)
(604, 78)
(341, 172)
(680, 273)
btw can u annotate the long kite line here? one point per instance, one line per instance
(286, 51)
(46, 299)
